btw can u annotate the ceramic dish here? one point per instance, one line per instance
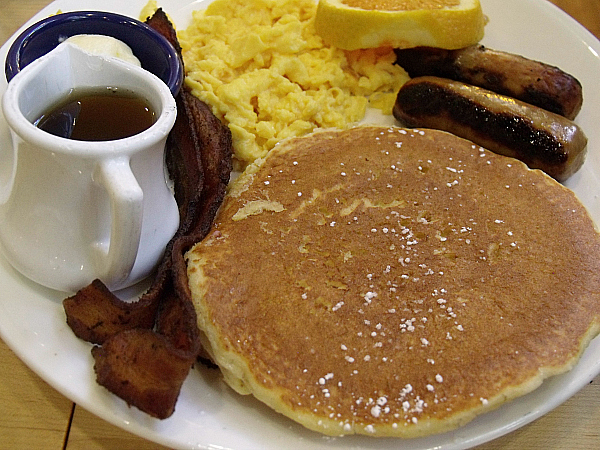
(155, 53)
(209, 414)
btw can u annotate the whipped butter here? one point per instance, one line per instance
(104, 45)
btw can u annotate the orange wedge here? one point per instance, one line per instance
(354, 24)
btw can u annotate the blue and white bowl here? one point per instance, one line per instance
(153, 50)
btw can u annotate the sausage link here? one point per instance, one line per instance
(541, 139)
(512, 75)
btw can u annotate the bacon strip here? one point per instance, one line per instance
(95, 320)
(142, 368)
(148, 346)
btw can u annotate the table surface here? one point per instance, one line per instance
(36, 416)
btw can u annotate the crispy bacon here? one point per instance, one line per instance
(148, 346)
(95, 321)
(142, 368)
(161, 23)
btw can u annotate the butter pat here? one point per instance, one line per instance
(104, 45)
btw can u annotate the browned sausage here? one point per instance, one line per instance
(530, 81)
(541, 139)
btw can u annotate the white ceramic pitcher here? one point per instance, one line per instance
(72, 211)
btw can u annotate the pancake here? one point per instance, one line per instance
(394, 282)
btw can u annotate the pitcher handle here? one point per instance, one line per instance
(116, 259)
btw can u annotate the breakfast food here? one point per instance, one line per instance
(505, 73)
(354, 24)
(142, 368)
(104, 114)
(394, 282)
(541, 139)
(105, 45)
(146, 348)
(242, 61)
(269, 76)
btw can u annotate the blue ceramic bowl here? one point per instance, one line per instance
(155, 53)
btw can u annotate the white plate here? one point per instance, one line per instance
(210, 415)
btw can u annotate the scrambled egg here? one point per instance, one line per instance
(269, 76)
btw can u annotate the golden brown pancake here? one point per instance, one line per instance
(394, 282)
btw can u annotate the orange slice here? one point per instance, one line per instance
(354, 24)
